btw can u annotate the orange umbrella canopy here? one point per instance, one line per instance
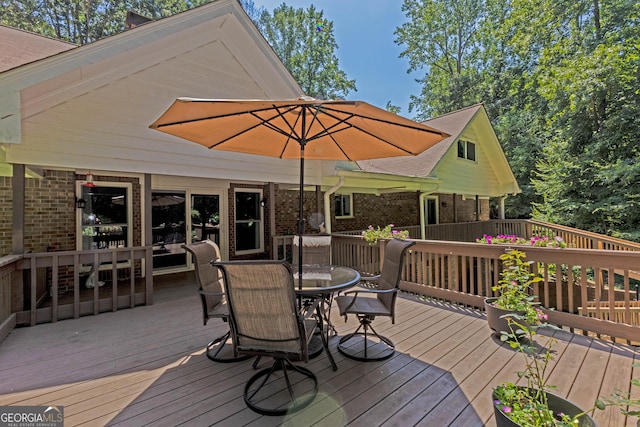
(323, 129)
(303, 128)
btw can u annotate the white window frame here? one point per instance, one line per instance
(466, 150)
(260, 221)
(350, 197)
(128, 186)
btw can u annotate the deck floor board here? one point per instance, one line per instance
(147, 366)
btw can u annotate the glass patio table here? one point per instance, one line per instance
(324, 281)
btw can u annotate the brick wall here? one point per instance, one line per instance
(6, 209)
(465, 209)
(50, 211)
(400, 209)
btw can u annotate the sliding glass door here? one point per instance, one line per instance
(178, 218)
(169, 226)
(205, 217)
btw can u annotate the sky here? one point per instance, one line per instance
(363, 30)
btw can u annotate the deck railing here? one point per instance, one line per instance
(46, 286)
(575, 238)
(581, 286)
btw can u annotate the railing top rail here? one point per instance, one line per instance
(9, 259)
(584, 233)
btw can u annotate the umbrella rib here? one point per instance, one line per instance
(408, 126)
(351, 125)
(263, 122)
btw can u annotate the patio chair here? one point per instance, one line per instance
(265, 322)
(316, 249)
(384, 288)
(211, 291)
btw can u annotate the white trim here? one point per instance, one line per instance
(260, 249)
(352, 214)
(78, 194)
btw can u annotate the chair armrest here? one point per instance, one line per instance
(369, 281)
(367, 291)
(372, 291)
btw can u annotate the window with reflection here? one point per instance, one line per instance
(248, 221)
(105, 219)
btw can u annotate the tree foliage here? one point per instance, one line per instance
(304, 41)
(561, 80)
(83, 21)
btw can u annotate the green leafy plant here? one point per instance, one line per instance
(628, 405)
(528, 405)
(514, 286)
(539, 241)
(373, 235)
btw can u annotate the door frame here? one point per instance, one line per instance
(222, 193)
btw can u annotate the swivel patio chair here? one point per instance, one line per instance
(211, 291)
(316, 249)
(265, 322)
(384, 287)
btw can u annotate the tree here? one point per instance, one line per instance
(392, 108)
(85, 21)
(560, 79)
(441, 37)
(303, 39)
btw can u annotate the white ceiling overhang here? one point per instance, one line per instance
(375, 183)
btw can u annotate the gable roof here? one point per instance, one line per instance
(19, 47)
(489, 175)
(423, 164)
(90, 108)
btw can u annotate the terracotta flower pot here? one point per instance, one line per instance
(556, 404)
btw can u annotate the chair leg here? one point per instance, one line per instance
(383, 347)
(221, 342)
(279, 402)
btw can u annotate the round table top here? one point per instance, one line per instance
(320, 279)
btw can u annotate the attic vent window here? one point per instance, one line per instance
(466, 150)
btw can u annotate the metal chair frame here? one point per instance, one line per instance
(385, 287)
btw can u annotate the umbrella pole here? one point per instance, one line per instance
(301, 217)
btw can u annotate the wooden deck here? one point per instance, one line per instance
(146, 366)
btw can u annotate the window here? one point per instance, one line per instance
(105, 220)
(248, 222)
(466, 150)
(344, 202)
(168, 224)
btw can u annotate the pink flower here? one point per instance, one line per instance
(507, 409)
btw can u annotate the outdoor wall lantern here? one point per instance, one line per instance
(263, 202)
(80, 203)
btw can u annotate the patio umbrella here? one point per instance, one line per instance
(304, 128)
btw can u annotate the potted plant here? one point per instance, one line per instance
(373, 235)
(514, 292)
(532, 405)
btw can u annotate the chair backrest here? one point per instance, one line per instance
(262, 309)
(209, 278)
(315, 249)
(394, 253)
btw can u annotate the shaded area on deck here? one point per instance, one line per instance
(147, 366)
